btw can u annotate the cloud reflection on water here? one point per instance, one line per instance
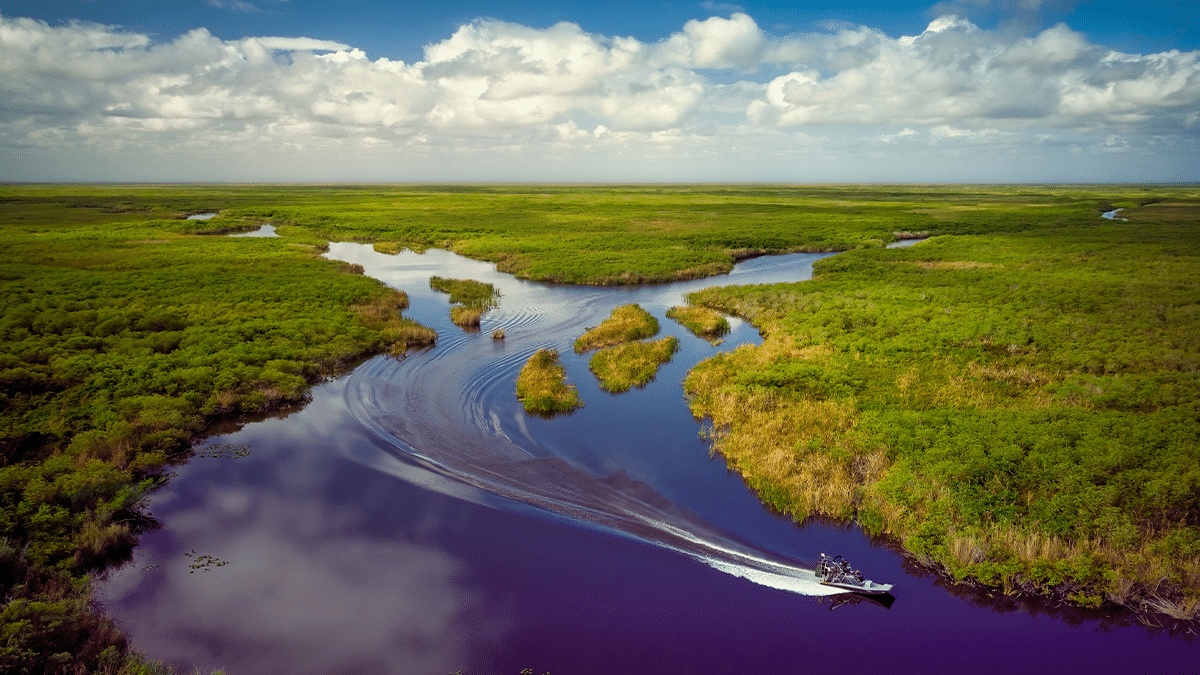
(312, 584)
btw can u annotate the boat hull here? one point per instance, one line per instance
(868, 587)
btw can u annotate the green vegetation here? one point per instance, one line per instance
(1020, 409)
(123, 333)
(467, 317)
(571, 234)
(598, 234)
(542, 387)
(627, 322)
(701, 321)
(632, 364)
(467, 292)
(471, 299)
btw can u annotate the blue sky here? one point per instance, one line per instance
(400, 29)
(959, 90)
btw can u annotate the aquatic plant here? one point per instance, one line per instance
(632, 364)
(627, 322)
(542, 387)
(701, 321)
(498, 334)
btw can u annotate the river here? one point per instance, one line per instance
(413, 519)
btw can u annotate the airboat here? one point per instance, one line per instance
(838, 573)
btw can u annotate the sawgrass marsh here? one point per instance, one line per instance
(1014, 401)
(1018, 409)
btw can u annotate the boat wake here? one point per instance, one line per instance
(481, 467)
(449, 421)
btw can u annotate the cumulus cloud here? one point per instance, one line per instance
(495, 85)
(954, 72)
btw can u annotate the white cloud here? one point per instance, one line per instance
(956, 73)
(504, 88)
(715, 42)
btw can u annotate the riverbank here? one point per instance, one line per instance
(123, 339)
(1018, 410)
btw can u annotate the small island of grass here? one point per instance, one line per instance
(469, 299)
(542, 387)
(383, 314)
(632, 364)
(626, 323)
(701, 321)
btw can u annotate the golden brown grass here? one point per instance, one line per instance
(701, 321)
(542, 387)
(797, 453)
(383, 314)
(627, 322)
(467, 317)
(632, 364)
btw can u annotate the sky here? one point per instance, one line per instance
(1028, 91)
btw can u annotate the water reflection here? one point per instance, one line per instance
(267, 230)
(304, 564)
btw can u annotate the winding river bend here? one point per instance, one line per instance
(413, 519)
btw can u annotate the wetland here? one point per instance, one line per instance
(412, 515)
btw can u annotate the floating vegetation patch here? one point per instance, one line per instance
(470, 299)
(224, 451)
(498, 334)
(701, 321)
(632, 364)
(542, 387)
(203, 563)
(627, 323)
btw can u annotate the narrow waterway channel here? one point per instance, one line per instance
(413, 519)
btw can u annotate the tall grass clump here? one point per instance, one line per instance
(542, 387)
(470, 299)
(701, 321)
(383, 314)
(627, 323)
(632, 364)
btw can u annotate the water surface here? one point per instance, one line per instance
(412, 519)
(266, 230)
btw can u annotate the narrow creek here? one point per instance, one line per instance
(413, 519)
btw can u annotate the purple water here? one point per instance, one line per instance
(412, 519)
